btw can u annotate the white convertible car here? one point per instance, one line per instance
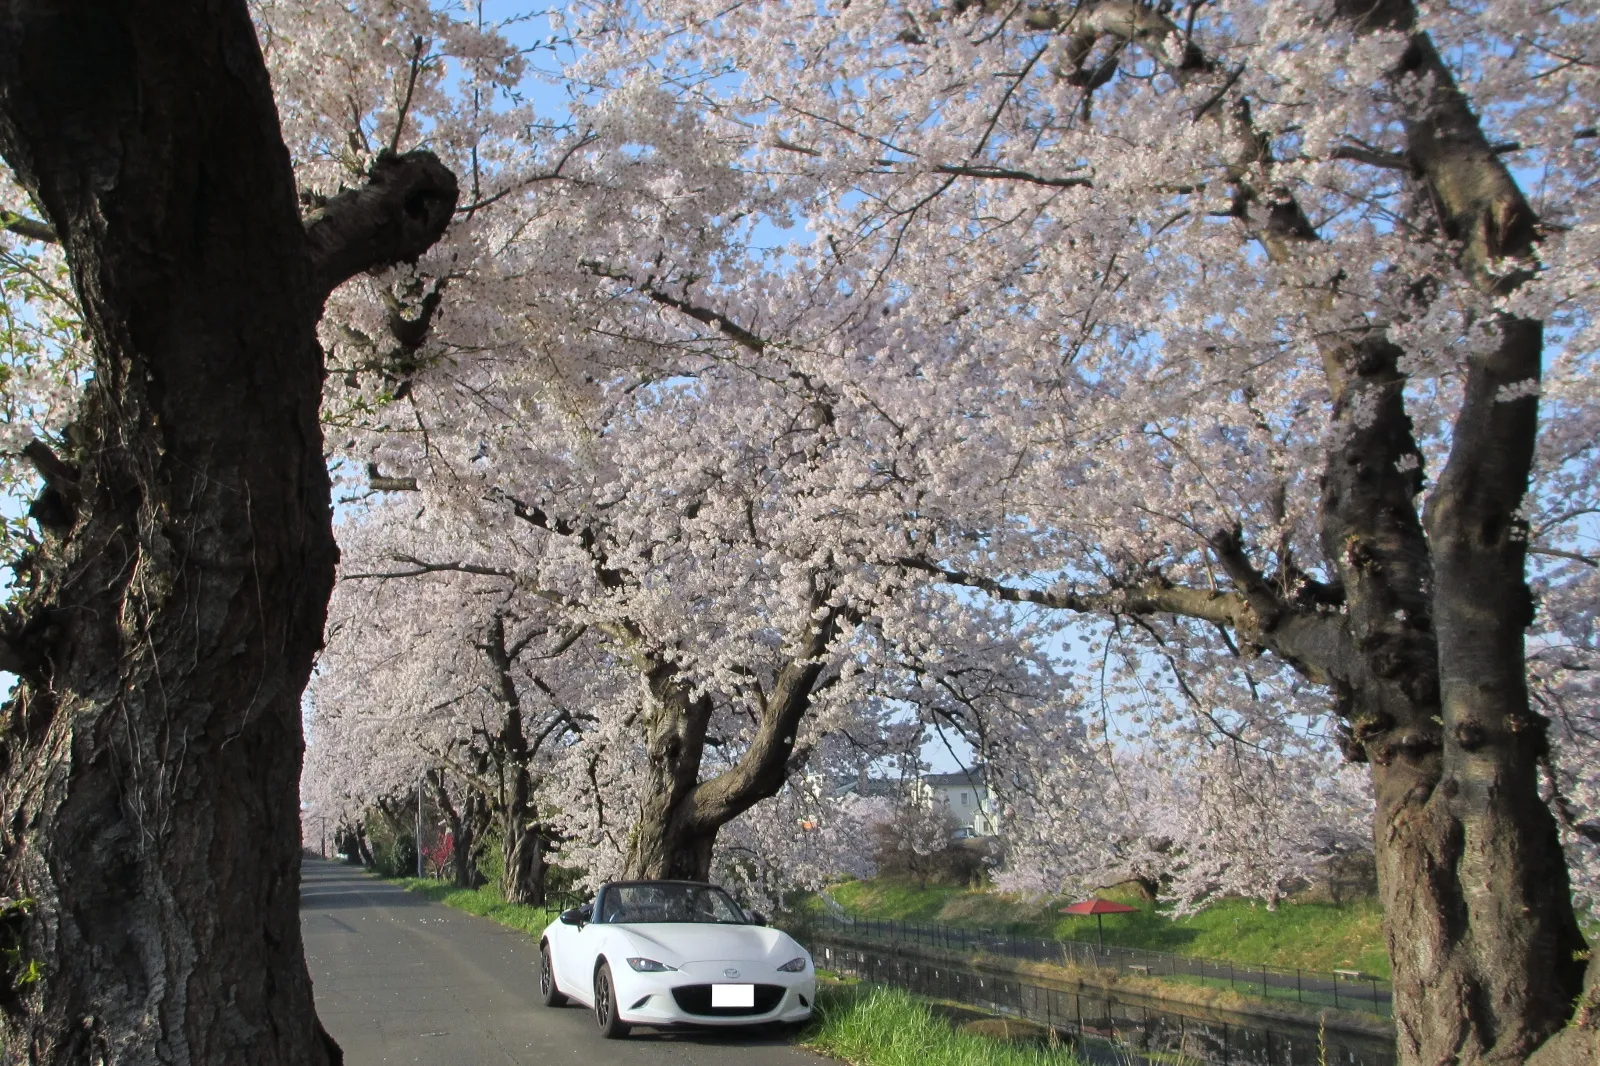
(668, 953)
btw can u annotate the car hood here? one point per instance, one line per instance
(681, 944)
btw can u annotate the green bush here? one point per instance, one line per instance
(394, 854)
(491, 861)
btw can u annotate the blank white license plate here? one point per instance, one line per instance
(733, 995)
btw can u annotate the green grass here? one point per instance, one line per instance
(1313, 936)
(485, 902)
(881, 1027)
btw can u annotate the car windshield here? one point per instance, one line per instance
(668, 902)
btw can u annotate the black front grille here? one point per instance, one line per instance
(696, 999)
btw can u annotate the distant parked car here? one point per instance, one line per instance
(673, 953)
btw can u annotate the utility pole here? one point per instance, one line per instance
(420, 776)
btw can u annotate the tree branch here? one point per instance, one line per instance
(31, 229)
(1312, 642)
(1557, 553)
(1373, 157)
(1223, 608)
(397, 215)
(1228, 546)
(732, 330)
(421, 567)
(378, 483)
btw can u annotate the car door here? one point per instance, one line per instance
(565, 945)
(577, 969)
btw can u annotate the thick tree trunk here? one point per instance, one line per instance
(353, 843)
(1429, 665)
(478, 818)
(522, 844)
(1481, 928)
(523, 874)
(673, 852)
(152, 750)
(664, 842)
(679, 815)
(522, 840)
(1474, 888)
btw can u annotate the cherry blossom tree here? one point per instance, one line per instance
(1154, 320)
(742, 659)
(802, 839)
(451, 675)
(1163, 769)
(1240, 277)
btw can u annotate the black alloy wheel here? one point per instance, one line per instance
(605, 1005)
(549, 994)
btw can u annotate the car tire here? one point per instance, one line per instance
(549, 994)
(605, 1005)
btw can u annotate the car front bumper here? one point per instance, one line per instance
(648, 999)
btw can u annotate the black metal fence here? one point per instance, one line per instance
(1133, 1026)
(1339, 989)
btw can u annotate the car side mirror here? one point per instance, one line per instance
(577, 915)
(757, 918)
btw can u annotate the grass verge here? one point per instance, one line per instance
(871, 1026)
(1314, 936)
(485, 902)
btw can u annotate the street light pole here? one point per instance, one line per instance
(420, 776)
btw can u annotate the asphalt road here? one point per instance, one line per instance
(399, 979)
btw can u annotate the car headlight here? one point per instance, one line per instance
(794, 966)
(650, 966)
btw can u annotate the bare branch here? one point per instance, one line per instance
(732, 330)
(1373, 157)
(29, 228)
(420, 567)
(1223, 608)
(411, 89)
(1557, 553)
(1228, 546)
(379, 483)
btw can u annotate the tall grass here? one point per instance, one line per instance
(870, 1026)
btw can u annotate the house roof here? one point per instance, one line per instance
(973, 778)
(872, 786)
(891, 786)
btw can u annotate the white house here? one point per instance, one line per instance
(965, 793)
(969, 798)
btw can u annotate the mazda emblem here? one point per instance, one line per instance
(730, 972)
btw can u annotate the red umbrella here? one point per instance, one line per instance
(1097, 907)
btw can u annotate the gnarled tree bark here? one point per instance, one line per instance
(152, 749)
(679, 814)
